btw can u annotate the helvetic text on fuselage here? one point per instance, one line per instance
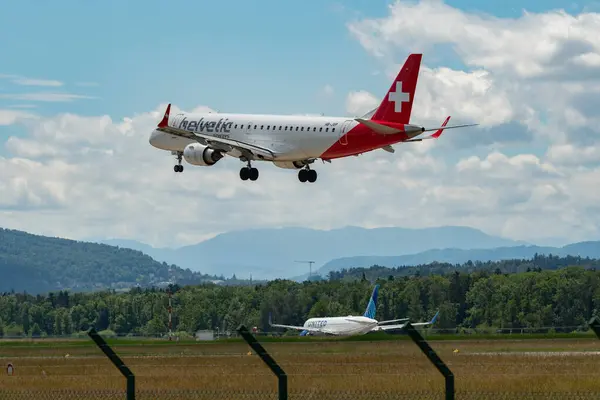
(201, 125)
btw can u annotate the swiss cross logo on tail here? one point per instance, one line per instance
(398, 97)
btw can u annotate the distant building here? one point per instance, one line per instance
(205, 335)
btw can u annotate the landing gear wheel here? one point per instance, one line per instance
(245, 173)
(248, 173)
(307, 175)
(178, 168)
(253, 174)
(303, 175)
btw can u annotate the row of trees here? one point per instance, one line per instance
(485, 297)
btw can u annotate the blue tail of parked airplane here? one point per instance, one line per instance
(372, 306)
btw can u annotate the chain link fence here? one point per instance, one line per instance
(293, 395)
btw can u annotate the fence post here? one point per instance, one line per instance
(595, 325)
(267, 359)
(112, 356)
(434, 358)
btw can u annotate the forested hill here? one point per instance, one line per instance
(536, 263)
(38, 264)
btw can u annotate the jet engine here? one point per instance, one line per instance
(290, 164)
(197, 154)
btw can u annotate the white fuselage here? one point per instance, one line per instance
(292, 137)
(342, 325)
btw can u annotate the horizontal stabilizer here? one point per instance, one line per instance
(438, 131)
(448, 127)
(379, 128)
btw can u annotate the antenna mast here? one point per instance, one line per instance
(310, 263)
(170, 314)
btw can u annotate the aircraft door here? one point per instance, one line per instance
(249, 128)
(343, 138)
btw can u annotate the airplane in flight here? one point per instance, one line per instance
(351, 325)
(295, 142)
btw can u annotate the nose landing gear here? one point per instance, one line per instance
(178, 167)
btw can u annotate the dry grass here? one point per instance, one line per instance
(395, 366)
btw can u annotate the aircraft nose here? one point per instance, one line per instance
(153, 137)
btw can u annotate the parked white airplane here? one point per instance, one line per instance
(294, 142)
(351, 325)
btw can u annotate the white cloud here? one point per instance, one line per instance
(360, 102)
(540, 70)
(533, 45)
(9, 117)
(80, 177)
(26, 81)
(23, 106)
(37, 82)
(48, 97)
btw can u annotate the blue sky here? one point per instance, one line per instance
(237, 56)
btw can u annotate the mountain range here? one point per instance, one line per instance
(39, 263)
(589, 249)
(273, 253)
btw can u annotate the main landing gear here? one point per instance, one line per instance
(178, 167)
(307, 174)
(249, 172)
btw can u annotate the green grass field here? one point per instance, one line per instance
(484, 368)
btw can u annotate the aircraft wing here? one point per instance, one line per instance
(389, 327)
(250, 151)
(357, 321)
(299, 328)
(402, 326)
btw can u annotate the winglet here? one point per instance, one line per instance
(270, 321)
(435, 317)
(165, 120)
(439, 131)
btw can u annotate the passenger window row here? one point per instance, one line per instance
(285, 128)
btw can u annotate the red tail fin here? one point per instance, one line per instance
(397, 104)
(165, 120)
